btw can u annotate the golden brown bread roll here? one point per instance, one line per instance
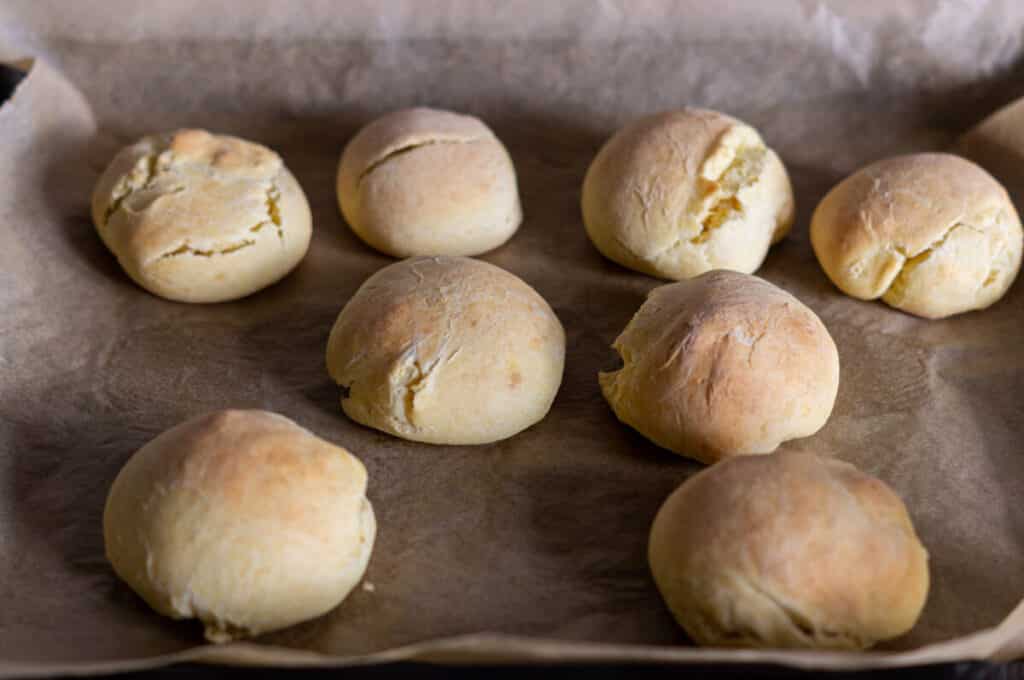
(428, 182)
(931, 234)
(680, 193)
(241, 519)
(447, 350)
(197, 217)
(723, 364)
(788, 550)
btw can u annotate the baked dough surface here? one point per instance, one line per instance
(931, 234)
(680, 193)
(428, 182)
(197, 217)
(788, 550)
(447, 350)
(241, 519)
(723, 364)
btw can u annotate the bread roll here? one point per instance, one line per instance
(241, 519)
(677, 194)
(446, 350)
(723, 364)
(788, 550)
(428, 182)
(997, 144)
(197, 217)
(931, 234)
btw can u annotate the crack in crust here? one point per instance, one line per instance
(186, 249)
(744, 171)
(801, 624)
(273, 195)
(411, 376)
(160, 161)
(412, 386)
(412, 146)
(126, 187)
(273, 209)
(913, 261)
(406, 377)
(713, 630)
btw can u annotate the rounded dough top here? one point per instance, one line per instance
(723, 364)
(198, 217)
(236, 503)
(932, 234)
(788, 550)
(405, 130)
(680, 193)
(428, 182)
(447, 350)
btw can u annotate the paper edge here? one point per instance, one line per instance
(1004, 642)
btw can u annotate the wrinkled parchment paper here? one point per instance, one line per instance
(532, 549)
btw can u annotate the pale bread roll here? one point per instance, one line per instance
(197, 217)
(723, 364)
(997, 144)
(788, 550)
(428, 182)
(931, 234)
(677, 194)
(241, 519)
(447, 350)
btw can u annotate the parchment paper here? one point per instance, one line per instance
(532, 549)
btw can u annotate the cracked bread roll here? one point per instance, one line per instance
(428, 182)
(197, 217)
(677, 194)
(241, 519)
(721, 365)
(446, 350)
(931, 234)
(788, 550)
